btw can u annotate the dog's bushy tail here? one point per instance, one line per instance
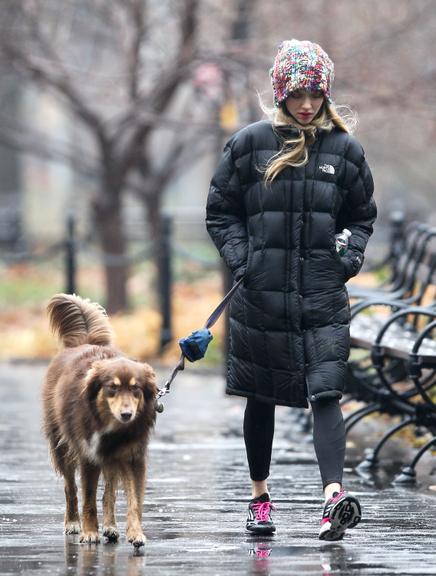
(77, 321)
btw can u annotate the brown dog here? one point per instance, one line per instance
(99, 409)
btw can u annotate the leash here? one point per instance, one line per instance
(194, 346)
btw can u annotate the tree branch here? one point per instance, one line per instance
(136, 11)
(38, 145)
(53, 74)
(164, 91)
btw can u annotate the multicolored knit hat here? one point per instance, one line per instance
(301, 65)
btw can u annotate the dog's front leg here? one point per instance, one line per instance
(110, 530)
(134, 480)
(72, 519)
(89, 480)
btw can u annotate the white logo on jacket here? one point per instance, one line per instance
(327, 168)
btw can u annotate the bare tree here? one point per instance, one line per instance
(118, 72)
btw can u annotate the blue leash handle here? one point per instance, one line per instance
(194, 346)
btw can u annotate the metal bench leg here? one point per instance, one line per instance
(371, 460)
(352, 419)
(408, 473)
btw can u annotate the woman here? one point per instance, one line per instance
(282, 190)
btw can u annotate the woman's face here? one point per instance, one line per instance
(304, 105)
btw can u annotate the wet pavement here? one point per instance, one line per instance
(195, 503)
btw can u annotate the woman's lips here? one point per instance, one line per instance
(305, 114)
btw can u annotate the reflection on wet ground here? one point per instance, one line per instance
(195, 504)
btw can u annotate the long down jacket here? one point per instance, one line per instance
(289, 321)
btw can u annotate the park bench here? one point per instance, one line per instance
(419, 352)
(366, 316)
(406, 392)
(407, 280)
(389, 378)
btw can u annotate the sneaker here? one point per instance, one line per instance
(259, 519)
(341, 511)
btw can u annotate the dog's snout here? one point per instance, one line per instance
(126, 416)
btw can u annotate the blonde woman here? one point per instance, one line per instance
(282, 190)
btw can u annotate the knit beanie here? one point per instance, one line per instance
(300, 65)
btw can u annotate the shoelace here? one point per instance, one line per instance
(262, 510)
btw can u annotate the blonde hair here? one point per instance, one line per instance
(294, 150)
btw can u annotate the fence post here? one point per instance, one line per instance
(70, 255)
(165, 280)
(397, 221)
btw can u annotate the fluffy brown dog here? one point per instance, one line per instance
(99, 409)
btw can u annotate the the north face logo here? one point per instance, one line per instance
(327, 168)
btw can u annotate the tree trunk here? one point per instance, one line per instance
(108, 219)
(152, 207)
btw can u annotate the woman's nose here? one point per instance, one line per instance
(307, 103)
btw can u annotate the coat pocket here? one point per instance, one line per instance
(340, 265)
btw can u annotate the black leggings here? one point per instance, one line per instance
(328, 438)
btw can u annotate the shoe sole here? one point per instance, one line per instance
(261, 529)
(346, 514)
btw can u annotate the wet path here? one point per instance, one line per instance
(194, 511)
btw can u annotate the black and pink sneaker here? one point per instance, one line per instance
(341, 511)
(259, 519)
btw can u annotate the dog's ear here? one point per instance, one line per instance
(149, 387)
(92, 382)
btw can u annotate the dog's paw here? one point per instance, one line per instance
(136, 538)
(89, 537)
(111, 533)
(72, 527)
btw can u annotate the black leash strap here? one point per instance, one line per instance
(220, 308)
(181, 363)
(165, 390)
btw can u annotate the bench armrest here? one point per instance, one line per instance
(422, 335)
(414, 310)
(360, 306)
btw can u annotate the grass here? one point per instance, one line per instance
(18, 287)
(25, 290)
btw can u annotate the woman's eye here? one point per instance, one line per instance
(298, 94)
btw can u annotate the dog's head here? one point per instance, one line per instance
(121, 388)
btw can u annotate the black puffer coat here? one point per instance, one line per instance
(289, 321)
